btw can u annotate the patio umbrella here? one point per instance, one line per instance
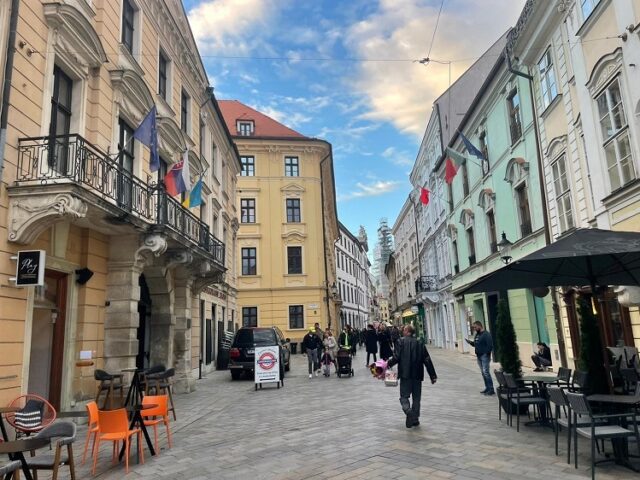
(588, 256)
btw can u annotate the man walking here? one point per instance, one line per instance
(312, 343)
(412, 357)
(320, 335)
(542, 359)
(483, 344)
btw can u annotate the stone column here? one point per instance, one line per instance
(185, 381)
(160, 283)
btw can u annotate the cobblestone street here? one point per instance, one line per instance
(349, 428)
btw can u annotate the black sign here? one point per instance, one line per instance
(30, 268)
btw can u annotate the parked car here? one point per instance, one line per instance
(242, 353)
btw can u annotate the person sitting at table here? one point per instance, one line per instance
(542, 359)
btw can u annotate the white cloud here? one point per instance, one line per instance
(290, 119)
(373, 189)
(403, 92)
(249, 78)
(401, 159)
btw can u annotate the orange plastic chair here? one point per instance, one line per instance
(92, 429)
(114, 427)
(149, 415)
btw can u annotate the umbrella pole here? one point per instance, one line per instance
(605, 356)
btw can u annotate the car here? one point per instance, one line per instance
(242, 353)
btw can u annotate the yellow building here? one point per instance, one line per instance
(288, 224)
(130, 272)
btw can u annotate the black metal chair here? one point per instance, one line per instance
(579, 382)
(520, 397)
(12, 468)
(594, 430)
(503, 394)
(629, 380)
(108, 383)
(150, 373)
(564, 377)
(65, 433)
(162, 383)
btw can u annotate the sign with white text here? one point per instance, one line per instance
(267, 366)
(30, 268)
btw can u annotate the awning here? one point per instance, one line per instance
(408, 313)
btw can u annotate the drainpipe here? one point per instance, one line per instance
(324, 241)
(6, 88)
(545, 216)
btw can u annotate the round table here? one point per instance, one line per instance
(16, 448)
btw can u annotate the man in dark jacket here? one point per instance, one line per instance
(483, 344)
(312, 344)
(542, 359)
(412, 357)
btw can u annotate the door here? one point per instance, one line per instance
(541, 320)
(48, 337)
(60, 122)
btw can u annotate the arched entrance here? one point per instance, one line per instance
(144, 311)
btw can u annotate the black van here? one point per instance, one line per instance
(242, 353)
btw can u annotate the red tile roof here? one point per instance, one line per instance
(264, 126)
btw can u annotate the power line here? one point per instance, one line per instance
(435, 29)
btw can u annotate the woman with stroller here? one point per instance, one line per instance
(331, 346)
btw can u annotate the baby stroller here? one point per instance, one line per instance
(326, 363)
(344, 362)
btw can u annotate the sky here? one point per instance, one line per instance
(345, 71)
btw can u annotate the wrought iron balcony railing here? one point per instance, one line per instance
(426, 283)
(70, 159)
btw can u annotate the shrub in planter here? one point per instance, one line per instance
(590, 357)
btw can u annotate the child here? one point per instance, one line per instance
(326, 362)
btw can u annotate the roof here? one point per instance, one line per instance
(264, 126)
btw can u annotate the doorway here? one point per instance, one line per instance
(144, 313)
(48, 337)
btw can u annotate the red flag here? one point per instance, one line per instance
(424, 195)
(450, 171)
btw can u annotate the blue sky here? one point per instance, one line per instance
(343, 71)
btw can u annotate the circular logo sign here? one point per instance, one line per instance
(267, 361)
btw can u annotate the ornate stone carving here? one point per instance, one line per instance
(557, 146)
(131, 93)
(31, 215)
(153, 244)
(604, 71)
(179, 257)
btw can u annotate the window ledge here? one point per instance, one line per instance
(249, 276)
(295, 274)
(549, 108)
(127, 59)
(515, 144)
(622, 192)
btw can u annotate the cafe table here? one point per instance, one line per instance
(542, 380)
(4, 410)
(16, 448)
(621, 403)
(136, 419)
(134, 395)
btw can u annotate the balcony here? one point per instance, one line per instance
(66, 176)
(426, 283)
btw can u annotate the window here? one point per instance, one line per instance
(60, 124)
(249, 261)
(472, 246)
(548, 87)
(588, 6)
(291, 167)
(484, 148)
(245, 129)
(296, 316)
(465, 179)
(523, 209)
(562, 193)
(214, 225)
(201, 136)
(613, 124)
(450, 195)
(294, 260)
(126, 157)
(128, 17)
(184, 111)
(493, 236)
(515, 124)
(248, 210)
(293, 210)
(248, 166)
(249, 316)
(162, 75)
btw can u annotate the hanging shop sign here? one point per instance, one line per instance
(30, 268)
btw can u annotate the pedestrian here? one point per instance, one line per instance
(353, 340)
(344, 340)
(312, 343)
(371, 343)
(363, 336)
(331, 345)
(412, 358)
(542, 359)
(483, 344)
(395, 336)
(384, 337)
(320, 335)
(326, 362)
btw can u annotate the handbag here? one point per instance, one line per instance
(391, 379)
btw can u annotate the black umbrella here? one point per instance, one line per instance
(587, 256)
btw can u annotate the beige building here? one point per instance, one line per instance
(130, 272)
(288, 225)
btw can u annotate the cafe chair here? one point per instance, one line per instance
(65, 433)
(162, 384)
(593, 430)
(92, 429)
(154, 416)
(150, 373)
(519, 397)
(34, 414)
(11, 468)
(114, 427)
(108, 383)
(564, 377)
(579, 382)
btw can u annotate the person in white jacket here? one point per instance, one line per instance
(331, 345)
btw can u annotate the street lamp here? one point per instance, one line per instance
(504, 247)
(334, 290)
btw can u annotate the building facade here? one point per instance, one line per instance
(582, 58)
(288, 225)
(405, 256)
(126, 263)
(500, 193)
(353, 276)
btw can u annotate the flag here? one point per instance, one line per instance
(424, 196)
(450, 170)
(194, 199)
(147, 134)
(177, 180)
(471, 148)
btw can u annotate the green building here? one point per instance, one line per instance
(496, 195)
